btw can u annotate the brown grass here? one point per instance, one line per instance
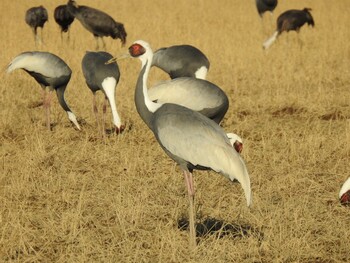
(68, 196)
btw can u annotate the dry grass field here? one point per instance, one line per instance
(70, 196)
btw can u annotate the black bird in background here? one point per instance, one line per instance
(63, 18)
(36, 17)
(289, 21)
(97, 22)
(265, 5)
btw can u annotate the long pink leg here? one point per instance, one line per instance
(47, 104)
(104, 110)
(190, 189)
(94, 105)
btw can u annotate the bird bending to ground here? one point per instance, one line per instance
(182, 61)
(36, 17)
(63, 18)
(49, 71)
(97, 22)
(104, 77)
(344, 194)
(265, 5)
(288, 21)
(188, 137)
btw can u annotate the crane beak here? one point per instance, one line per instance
(112, 60)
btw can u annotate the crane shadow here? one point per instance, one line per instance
(219, 228)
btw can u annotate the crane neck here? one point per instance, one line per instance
(144, 105)
(60, 96)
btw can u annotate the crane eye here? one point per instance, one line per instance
(136, 50)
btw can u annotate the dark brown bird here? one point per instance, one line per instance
(63, 18)
(36, 17)
(97, 22)
(265, 5)
(290, 20)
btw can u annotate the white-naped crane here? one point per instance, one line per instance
(63, 18)
(182, 61)
(291, 20)
(105, 77)
(97, 22)
(188, 137)
(36, 17)
(344, 194)
(50, 72)
(197, 94)
(265, 6)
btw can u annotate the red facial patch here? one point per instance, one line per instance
(345, 199)
(238, 146)
(136, 50)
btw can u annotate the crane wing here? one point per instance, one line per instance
(189, 137)
(196, 94)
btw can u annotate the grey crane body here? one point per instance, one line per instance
(265, 6)
(290, 20)
(49, 71)
(196, 94)
(63, 17)
(36, 17)
(96, 70)
(182, 61)
(97, 22)
(188, 137)
(104, 77)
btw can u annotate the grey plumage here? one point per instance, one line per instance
(49, 71)
(182, 61)
(265, 5)
(100, 76)
(188, 137)
(36, 17)
(196, 94)
(97, 22)
(288, 21)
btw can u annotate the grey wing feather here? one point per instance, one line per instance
(196, 94)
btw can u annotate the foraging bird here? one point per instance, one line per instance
(289, 21)
(97, 22)
(49, 71)
(188, 137)
(100, 76)
(63, 18)
(265, 5)
(36, 17)
(196, 94)
(182, 61)
(344, 194)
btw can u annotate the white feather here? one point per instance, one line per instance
(109, 86)
(270, 40)
(201, 73)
